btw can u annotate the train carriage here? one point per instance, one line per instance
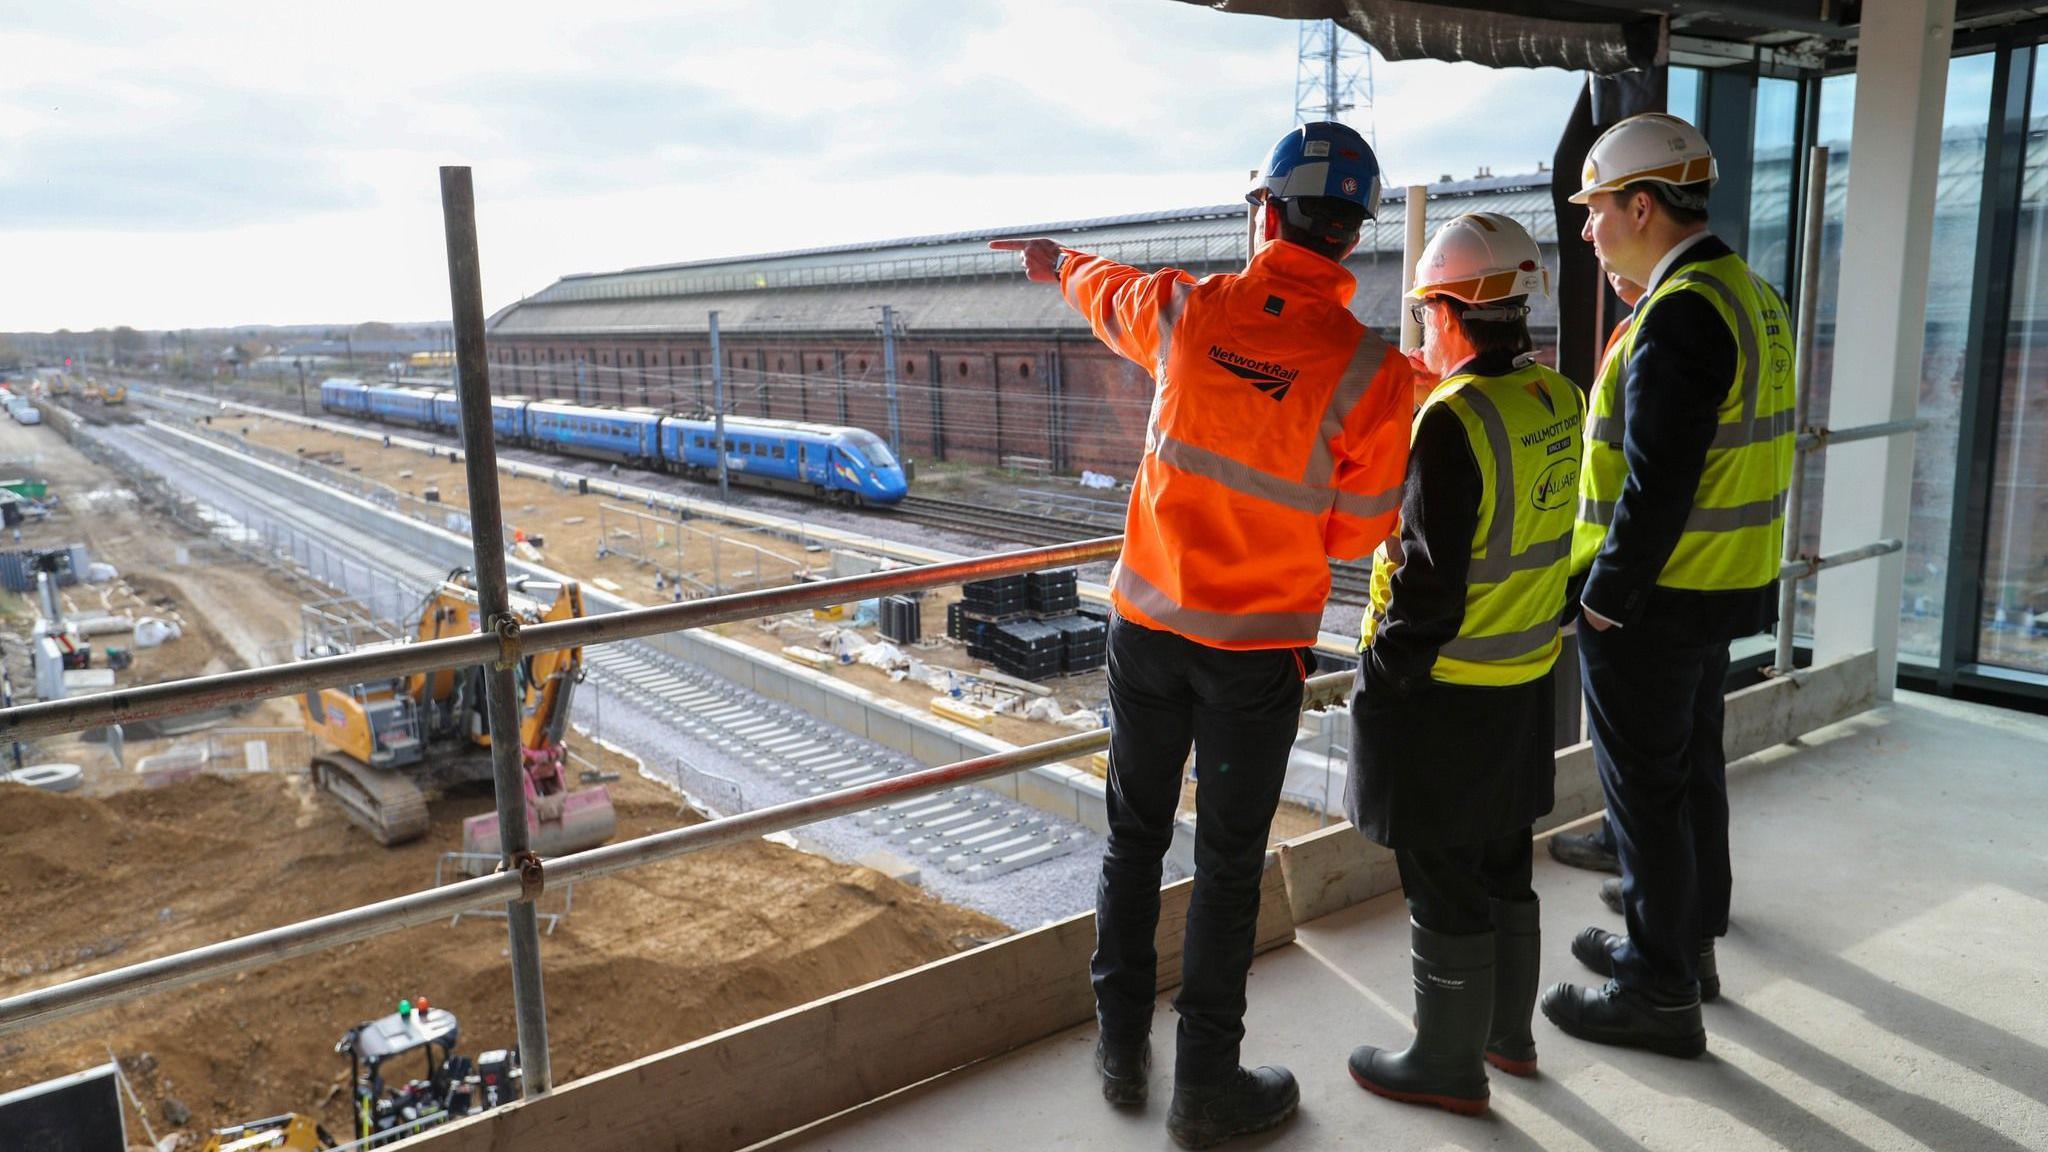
(410, 406)
(849, 465)
(627, 435)
(345, 395)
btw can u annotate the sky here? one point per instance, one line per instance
(220, 162)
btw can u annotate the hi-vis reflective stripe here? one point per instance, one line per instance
(1312, 493)
(1759, 430)
(1749, 428)
(1169, 314)
(1349, 394)
(1535, 558)
(1501, 561)
(1505, 646)
(1754, 514)
(1226, 627)
(1369, 504)
(1240, 477)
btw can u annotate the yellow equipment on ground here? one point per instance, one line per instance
(291, 1131)
(397, 737)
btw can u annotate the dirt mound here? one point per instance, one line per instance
(643, 962)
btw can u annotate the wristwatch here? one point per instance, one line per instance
(1059, 262)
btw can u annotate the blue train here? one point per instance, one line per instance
(850, 466)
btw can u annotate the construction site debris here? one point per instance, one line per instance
(151, 631)
(961, 712)
(47, 777)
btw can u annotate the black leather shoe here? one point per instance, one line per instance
(1586, 850)
(1595, 947)
(1610, 895)
(1125, 1068)
(1246, 1102)
(1611, 1014)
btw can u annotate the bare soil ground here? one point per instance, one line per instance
(113, 874)
(539, 508)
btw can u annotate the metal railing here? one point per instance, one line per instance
(362, 923)
(1799, 565)
(518, 888)
(253, 684)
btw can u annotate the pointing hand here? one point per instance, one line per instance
(1039, 257)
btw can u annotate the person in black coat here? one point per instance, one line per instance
(1454, 723)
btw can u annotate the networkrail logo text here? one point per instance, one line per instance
(1272, 379)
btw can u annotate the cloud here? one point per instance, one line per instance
(224, 161)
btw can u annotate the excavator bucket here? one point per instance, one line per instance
(555, 825)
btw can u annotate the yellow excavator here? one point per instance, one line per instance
(393, 739)
(291, 1132)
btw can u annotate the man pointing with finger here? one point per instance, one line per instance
(1278, 437)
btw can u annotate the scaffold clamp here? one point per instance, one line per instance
(506, 626)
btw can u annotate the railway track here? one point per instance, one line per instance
(1348, 583)
(770, 751)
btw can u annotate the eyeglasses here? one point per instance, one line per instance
(1417, 309)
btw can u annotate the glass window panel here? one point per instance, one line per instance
(1951, 271)
(1682, 94)
(1770, 191)
(2014, 629)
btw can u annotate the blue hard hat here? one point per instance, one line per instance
(1321, 159)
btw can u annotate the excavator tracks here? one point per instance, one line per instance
(386, 805)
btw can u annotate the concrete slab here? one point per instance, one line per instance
(1885, 981)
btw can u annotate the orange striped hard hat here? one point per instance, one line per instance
(1651, 146)
(1481, 257)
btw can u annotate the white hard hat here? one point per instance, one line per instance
(1481, 257)
(1652, 146)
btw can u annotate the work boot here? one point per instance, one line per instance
(1247, 1101)
(1595, 947)
(1517, 945)
(1444, 1066)
(1588, 850)
(1610, 895)
(1125, 1067)
(1612, 1014)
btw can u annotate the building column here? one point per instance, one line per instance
(1888, 228)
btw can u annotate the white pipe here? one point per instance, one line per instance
(1411, 254)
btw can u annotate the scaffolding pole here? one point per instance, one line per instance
(480, 466)
(104, 989)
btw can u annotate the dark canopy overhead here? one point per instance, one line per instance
(1605, 36)
(1584, 37)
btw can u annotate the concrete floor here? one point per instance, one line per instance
(1886, 986)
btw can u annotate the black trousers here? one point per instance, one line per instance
(1239, 711)
(1449, 889)
(1655, 695)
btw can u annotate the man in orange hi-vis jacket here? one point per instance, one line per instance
(1278, 437)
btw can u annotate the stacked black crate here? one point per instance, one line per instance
(1028, 648)
(1053, 593)
(1084, 643)
(997, 599)
(900, 619)
(986, 604)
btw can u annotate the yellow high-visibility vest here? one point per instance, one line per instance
(1736, 533)
(1525, 429)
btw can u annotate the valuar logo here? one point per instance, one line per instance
(1272, 379)
(1556, 486)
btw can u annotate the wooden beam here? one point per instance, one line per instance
(746, 1084)
(1335, 867)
